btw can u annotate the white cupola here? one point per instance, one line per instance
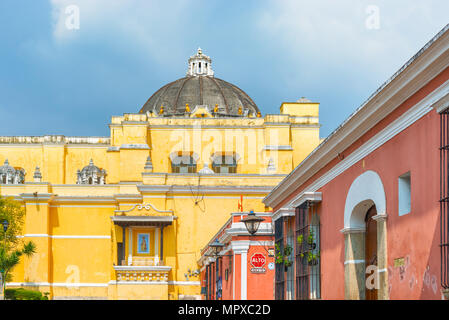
(200, 65)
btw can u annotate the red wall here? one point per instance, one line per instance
(260, 286)
(414, 236)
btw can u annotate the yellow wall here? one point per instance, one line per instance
(71, 224)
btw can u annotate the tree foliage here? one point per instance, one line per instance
(12, 211)
(12, 247)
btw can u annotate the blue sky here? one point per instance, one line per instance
(59, 81)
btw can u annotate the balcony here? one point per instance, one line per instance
(142, 273)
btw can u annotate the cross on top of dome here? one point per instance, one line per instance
(200, 64)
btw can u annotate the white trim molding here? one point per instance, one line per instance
(354, 261)
(314, 197)
(367, 189)
(283, 212)
(58, 236)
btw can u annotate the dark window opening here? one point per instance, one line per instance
(224, 164)
(279, 290)
(444, 197)
(307, 253)
(183, 164)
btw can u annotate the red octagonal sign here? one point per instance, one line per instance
(258, 260)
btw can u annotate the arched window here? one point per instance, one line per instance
(183, 162)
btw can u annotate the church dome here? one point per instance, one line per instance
(200, 88)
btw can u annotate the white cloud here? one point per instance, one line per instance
(141, 24)
(334, 33)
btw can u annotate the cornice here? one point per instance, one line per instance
(84, 199)
(204, 189)
(36, 196)
(128, 197)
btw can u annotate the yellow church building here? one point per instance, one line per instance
(126, 216)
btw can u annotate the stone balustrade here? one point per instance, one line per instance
(142, 273)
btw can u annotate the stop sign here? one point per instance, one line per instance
(258, 260)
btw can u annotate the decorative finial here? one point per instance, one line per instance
(187, 107)
(37, 175)
(271, 167)
(200, 64)
(161, 111)
(240, 110)
(148, 165)
(259, 114)
(216, 108)
(206, 170)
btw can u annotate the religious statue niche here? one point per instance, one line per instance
(91, 174)
(143, 243)
(10, 175)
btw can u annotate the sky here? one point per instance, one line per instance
(64, 75)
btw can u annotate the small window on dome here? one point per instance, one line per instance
(199, 67)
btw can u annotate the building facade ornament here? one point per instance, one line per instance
(206, 170)
(200, 64)
(271, 167)
(148, 165)
(91, 174)
(37, 175)
(10, 175)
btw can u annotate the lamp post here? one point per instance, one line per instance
(252, 222)
(216, 247)
(5, 224)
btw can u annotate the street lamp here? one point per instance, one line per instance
(216, 247)
(5, 224)
(252, 222)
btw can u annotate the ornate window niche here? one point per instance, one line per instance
(91, 174)
(11, 175)
(225, 162)
(184, 162)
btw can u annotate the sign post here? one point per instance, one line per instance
(258, 261)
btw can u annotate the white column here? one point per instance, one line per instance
(157, 235)
(233, 277)
(244, 268)
(241, 247)
(130, 246)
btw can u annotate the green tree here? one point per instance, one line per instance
(12, 247)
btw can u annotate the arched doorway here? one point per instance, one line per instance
(365, 239)
(371, 285)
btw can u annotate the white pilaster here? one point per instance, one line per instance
(157, 235)
(130, 247)
(242, 247)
